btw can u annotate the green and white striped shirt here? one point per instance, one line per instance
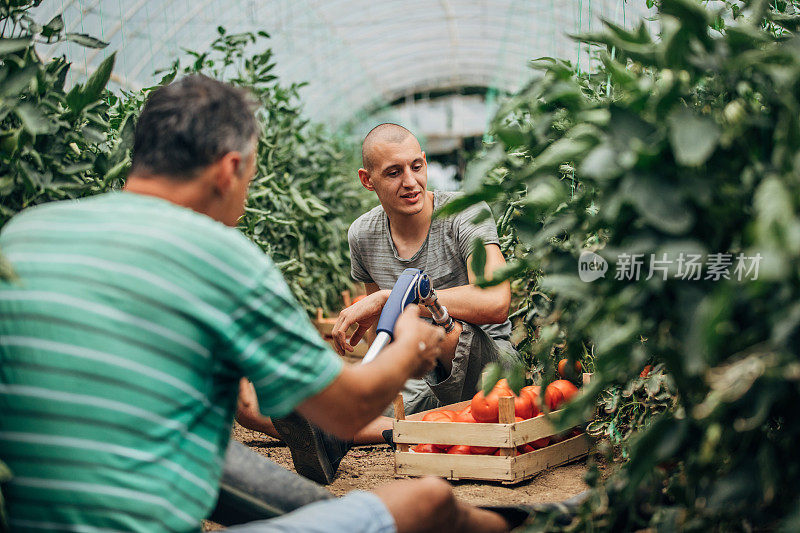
(121, 346)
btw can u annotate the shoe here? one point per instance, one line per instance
(388, 436)
(316, 455)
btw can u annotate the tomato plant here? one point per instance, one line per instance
(684, 142)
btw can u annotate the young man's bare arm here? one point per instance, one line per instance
(473, 304)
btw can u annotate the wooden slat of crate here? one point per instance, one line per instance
(453, 466)
(508, 470)
(531, 429)
(414, 432)
(529, 464)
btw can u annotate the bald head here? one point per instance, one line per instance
(382, 133)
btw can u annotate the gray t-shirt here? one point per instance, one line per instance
(443, 255)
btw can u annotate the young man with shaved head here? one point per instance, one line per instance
(402, 233)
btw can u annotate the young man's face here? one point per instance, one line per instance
(399, 176)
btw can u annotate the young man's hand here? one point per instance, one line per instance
(364, 313)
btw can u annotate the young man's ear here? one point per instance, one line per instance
(366, 181)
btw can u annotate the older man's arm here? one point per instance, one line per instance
(361, 392)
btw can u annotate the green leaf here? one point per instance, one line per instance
(478, 169)
(17, 82)
(511, 136)
(515, 376)
(487, 193)
(127, 132)
(478, 256)
(560, 152)
(53, 27)
(97, 82)
(492, 373)
(693, 137)
(600, 163)
(299, 201)
(565, 285)
(86, 40)
(33, 120)
(10, 46)
(93, 135)
(670, 214)
(81, 97)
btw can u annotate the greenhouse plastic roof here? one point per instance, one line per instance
(356, 55)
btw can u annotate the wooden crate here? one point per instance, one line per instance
(508, 468)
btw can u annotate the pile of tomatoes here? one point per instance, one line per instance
(485, 408)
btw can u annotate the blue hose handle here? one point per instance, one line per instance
(403, 293)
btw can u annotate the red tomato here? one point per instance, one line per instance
(646, 371)
(460, 449)
(442, 448)
(567, 388)
(562, 369)
(532, 393)
(540, 443)
(425, 448)
(502, 385)
(485, 408)
(558, 392)
(523, 407)
(482, 450)
(498, 452)
(465, 415)
(525, 448)
(553, 397)
(439, 416)
(532, 389)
